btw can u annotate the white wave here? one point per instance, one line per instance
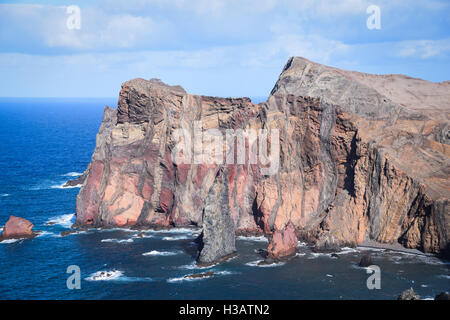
(118, 240)
(105, 275)
(73, 233)
(72, 174)
(172, 280)
(160, 253)
(433, 260)
(407, 258)
(300, 254)
(329, 275)
(46, 234)
(49, 184)
(370, 249)
(215, 273)
(61, 186)
(115, 229)
(177, 230)
(314, 255)
(64, 220)
(224, 272)
(10, 240)
(346, 250)
(142, 235)
(356, 266)
(424, 285)
(5, 194)
(175, 238)
(445, 276)
(194, 266)
(301, 244)
(257, 264)
(253, 238)
(114, 275)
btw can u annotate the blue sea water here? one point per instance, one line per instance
(45, 142)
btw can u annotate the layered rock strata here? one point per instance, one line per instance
(360, 157)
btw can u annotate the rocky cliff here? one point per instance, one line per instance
(355, 157)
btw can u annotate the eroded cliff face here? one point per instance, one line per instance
(354, 164)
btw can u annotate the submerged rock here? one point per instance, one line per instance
(199, 275)
(365, 261)
(408, 295)
(442, 296)
(75, 182)
(73, 231)
(16, 228)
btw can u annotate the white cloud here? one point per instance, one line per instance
(424, 49)
(47, 24)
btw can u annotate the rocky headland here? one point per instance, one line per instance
(361, 158)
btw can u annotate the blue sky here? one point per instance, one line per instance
(211, 47)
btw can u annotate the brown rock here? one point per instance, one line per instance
(283, 243)
(442, 296)
(75, 182)
(408, 295)
(16, 228)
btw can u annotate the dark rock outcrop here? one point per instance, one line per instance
(75, 182)
(365, 261)
(217, 239)
(408, 295)
(17, 228)
(207, 274)
(361, 157)
(442, 296)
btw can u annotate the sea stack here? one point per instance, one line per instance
(17, 228)
(218, 235)
(361, 157)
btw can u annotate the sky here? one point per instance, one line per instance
(212, 47)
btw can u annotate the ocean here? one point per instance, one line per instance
(45, 142)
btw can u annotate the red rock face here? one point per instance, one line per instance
(353, 166)
(17, 227)
(283, 243)
(88, 198)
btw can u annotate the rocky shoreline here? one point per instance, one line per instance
(360, 159)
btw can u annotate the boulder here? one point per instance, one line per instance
(282, 244)
(408, 295)
(16, 228)
(442, 296)
(365, 261)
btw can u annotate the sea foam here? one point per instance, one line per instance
(118, 240)
(64, 220)
(160, 253)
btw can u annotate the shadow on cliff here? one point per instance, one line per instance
(192, 247)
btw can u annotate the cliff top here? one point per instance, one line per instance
(369, 95)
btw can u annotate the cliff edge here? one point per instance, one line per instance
(352, 157)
